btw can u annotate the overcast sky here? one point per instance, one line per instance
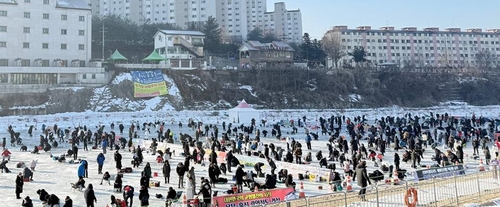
(318, 16)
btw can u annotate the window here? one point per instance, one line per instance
(45, 31)
(64, 17)
(4, 62)
(27, 15)
(81, 32)
(81, 18)
(26, 45)
(64, 31)
(3, 28)
(63, 46)
(3, 13)
(45, 16)
(93, 75)
(26, 30)
(45, 45)
(3, 44)
(25, 63)
(81, 47)
(27, 1)
(45, 1)
(84, 76)
(45, 63)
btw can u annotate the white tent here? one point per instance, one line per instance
(243, 113)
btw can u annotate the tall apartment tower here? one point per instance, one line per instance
(235, 17)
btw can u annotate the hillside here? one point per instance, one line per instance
(271, 89)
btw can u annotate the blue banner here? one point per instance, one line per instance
(147, 77)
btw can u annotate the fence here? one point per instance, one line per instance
(478, 188)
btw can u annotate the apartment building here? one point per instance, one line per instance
(46, 42)
(427, 47)
(235, 17)
(284, 24)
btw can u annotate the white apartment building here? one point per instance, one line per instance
(180, 12)
(427, 47)
(235, 17)
(39, 37)
(284, 24)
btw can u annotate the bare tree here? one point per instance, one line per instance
(333, 47)
(485, 59)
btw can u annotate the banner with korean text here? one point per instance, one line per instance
(148, 83)
(255, 198)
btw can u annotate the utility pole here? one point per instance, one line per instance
(102, 39)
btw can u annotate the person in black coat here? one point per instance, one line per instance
(27, 202)
(42, 195)
(118, 160)
(205, 191)
(181, 170)
(144, 196)
(166, 171)
(239, 178)
(19, 185)
(68, 202)
(272, 165)
(90, 196)
(212, 174)
(171, 196)
(144, 181)
(396, 160)
(118, 183)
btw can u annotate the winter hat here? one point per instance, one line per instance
(127, 188)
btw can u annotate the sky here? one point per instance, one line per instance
(318, 16)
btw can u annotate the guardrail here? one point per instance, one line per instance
(457, 190)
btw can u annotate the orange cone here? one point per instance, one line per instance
(481, 166)
(348, 188)
(302, 194)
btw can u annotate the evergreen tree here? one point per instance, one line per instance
(212, 35)
(255, 35)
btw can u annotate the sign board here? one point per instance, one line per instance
(148, 83)
(255, 198)
(440, 172)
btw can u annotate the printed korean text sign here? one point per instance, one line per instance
(147, 76)
(255, 198)
(148, 83)
(150, 90)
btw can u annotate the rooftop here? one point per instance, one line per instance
(275, 45)
(72, 4)
(8, 1)
(182, 32)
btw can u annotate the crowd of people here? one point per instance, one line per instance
(351, 142)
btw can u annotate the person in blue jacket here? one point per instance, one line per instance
(100, 162)
(81, 170)
(104, 145)
(308, 141)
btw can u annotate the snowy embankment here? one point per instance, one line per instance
(104, 100)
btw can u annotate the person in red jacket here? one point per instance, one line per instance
(6, 154)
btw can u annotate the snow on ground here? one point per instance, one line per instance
(121, 77)
(249, 89)
(56, 177)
